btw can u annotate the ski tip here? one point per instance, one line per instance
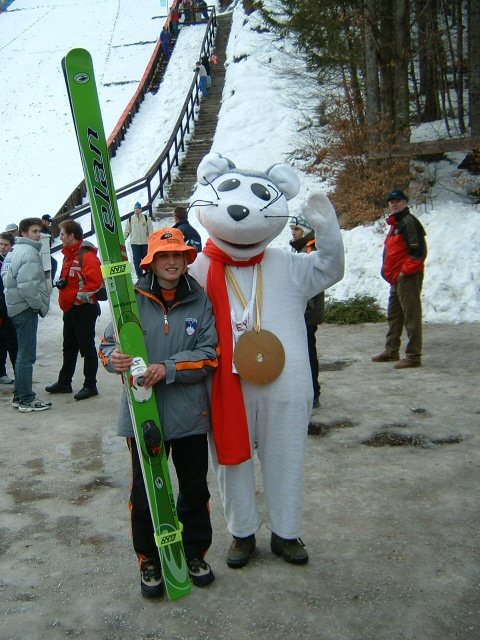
(78, 54)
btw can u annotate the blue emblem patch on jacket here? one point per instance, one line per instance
(190, 326)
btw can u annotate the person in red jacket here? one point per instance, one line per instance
(403, 265)
(79, 280)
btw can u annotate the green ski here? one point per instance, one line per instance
(80, 80)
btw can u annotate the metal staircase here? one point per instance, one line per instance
(201, 140)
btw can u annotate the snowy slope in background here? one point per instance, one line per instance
(40, 161)
(258, 126)
(152, 126)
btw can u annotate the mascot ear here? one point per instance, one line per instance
(212, 166)
(285, 178)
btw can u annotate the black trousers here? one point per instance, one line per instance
(313, 357)
(8, 345)
(79, 336)
(190, 458)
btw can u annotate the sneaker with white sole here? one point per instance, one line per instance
(15, 402)
(151, 579)
(6, 380)
(34, 405)
(200, 572)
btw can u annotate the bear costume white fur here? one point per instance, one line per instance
(243, 211)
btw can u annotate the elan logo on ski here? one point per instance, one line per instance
(99, 173)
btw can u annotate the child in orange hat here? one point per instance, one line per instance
(181, 342)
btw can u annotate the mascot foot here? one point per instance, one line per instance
(240, 551)
(291, 550)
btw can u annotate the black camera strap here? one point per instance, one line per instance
(71, 261)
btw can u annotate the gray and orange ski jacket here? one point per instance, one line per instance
(183, 338)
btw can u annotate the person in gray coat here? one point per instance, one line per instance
(26, 296)
(181, 342)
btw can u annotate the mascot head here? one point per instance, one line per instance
(242, 210)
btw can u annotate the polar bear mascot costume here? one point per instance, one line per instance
(262, 390)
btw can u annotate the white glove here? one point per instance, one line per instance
(320, 213)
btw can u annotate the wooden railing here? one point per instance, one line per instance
(160, 173)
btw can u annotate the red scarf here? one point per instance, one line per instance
(229, 418)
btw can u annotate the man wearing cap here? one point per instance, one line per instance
(12, 228)
(139, 227)
(403, 265)
(303, 241)
(181, 342)
(47, 236)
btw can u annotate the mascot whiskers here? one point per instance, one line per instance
(262, 390)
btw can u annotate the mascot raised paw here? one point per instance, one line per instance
(262, 390)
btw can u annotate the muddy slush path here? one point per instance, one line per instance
(391, 511)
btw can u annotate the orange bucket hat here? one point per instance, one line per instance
(166, 239)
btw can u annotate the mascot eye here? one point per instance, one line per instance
(229, 185)
(261, 191)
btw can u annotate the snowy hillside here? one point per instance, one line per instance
(258, 126)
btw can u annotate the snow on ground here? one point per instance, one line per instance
(265, 97)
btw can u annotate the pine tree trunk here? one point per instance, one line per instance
(432, 109)
(386, 59)
(474, 66)
(401, 27)
(472, 159)
(372, 89)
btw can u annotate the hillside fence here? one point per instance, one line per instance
(152, 185)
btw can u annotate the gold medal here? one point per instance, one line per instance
(259, 357)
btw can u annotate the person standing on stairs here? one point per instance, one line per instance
(174, 19)
(206, 63)
(165, 38)
(202, 78)
(138, 227)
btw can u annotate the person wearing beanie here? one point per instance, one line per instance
(404, 257)
(303, 241)
(181, 342)
(139, 227)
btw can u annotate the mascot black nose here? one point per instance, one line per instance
(237, 212)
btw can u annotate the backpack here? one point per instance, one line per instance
(101, 294)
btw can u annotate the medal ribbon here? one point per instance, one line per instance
(257, 286)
